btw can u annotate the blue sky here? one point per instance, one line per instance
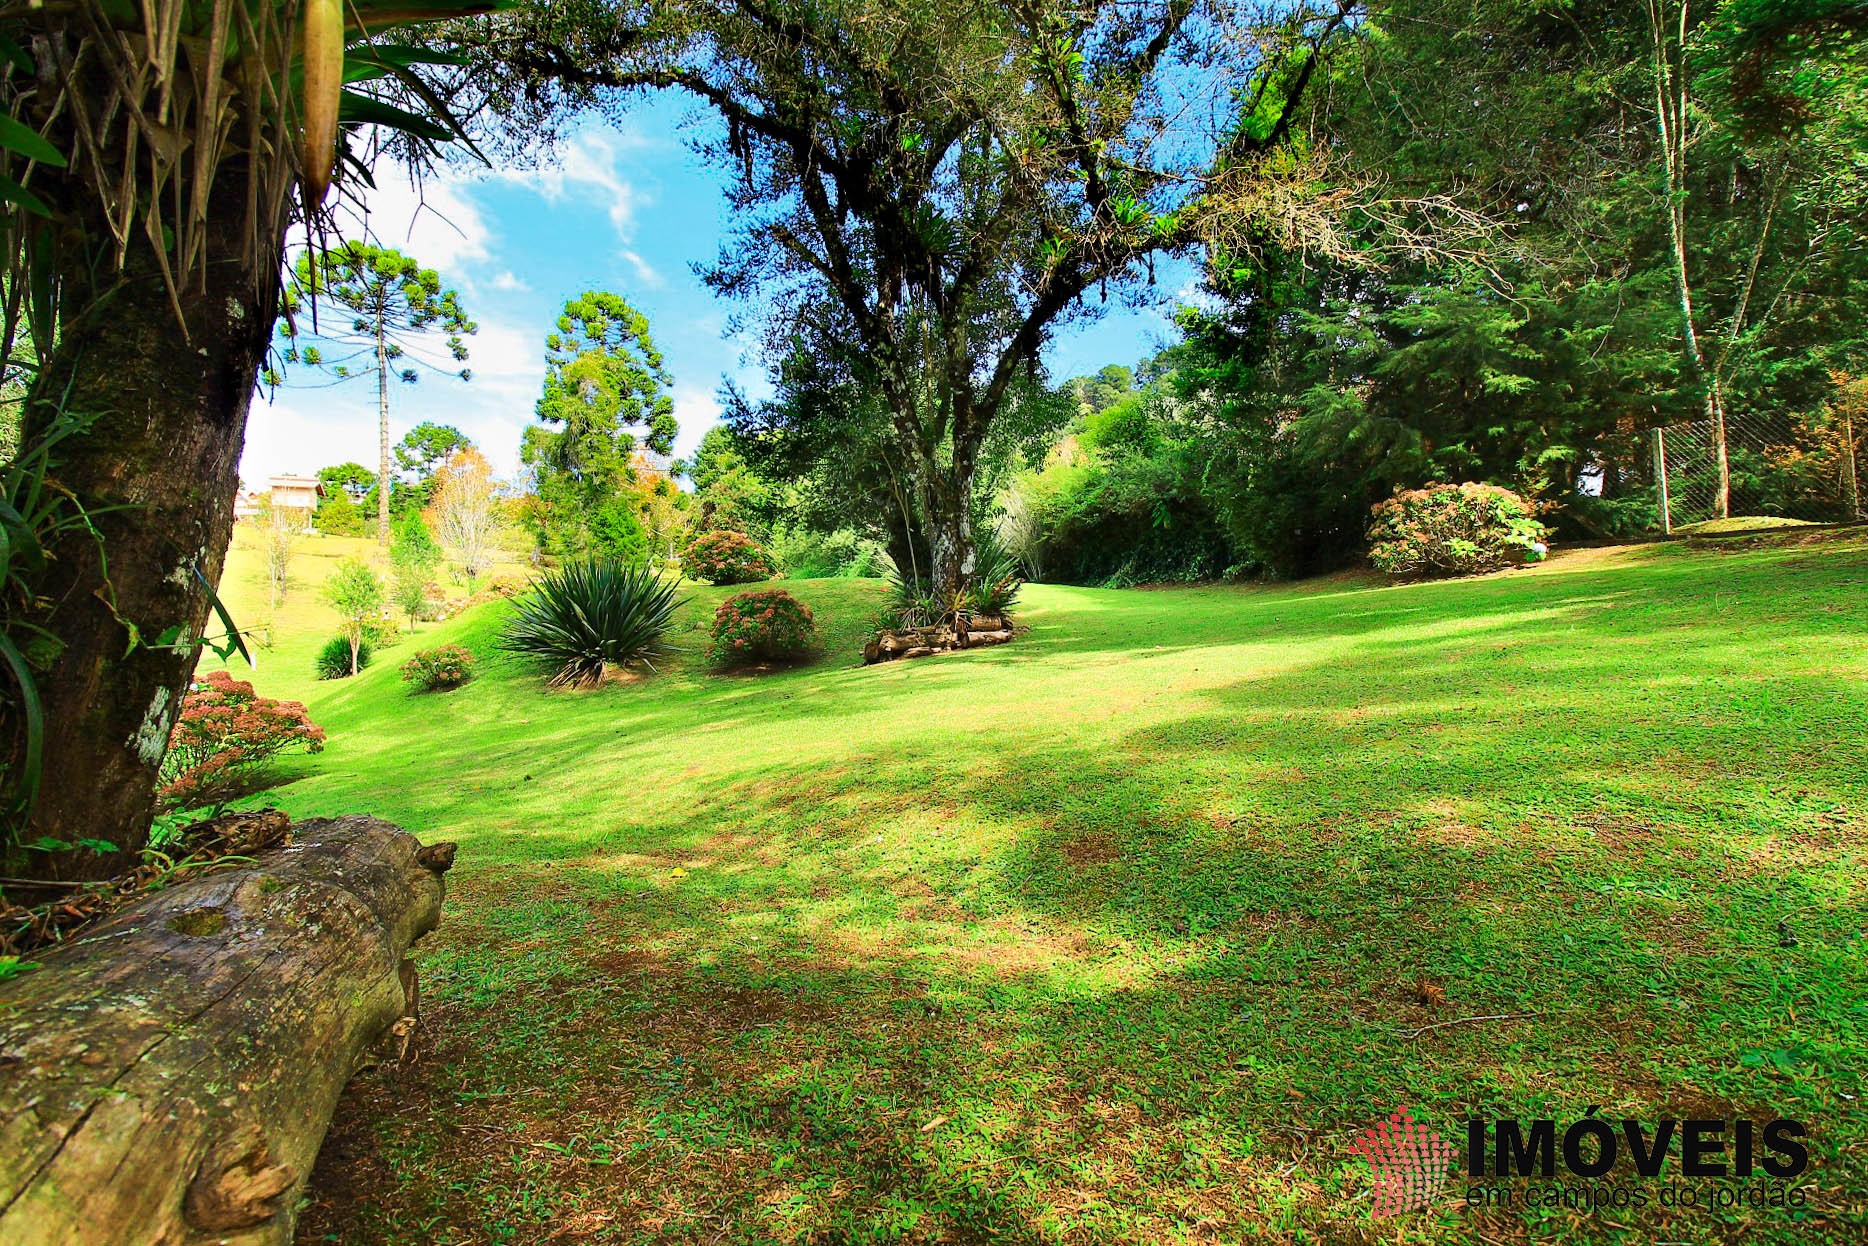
(629, 209)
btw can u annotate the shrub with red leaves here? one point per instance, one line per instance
(767, 626)
(223, 739)
(725, 557)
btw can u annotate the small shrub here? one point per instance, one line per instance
(225, 736)
(439, 669)
(589, 616)
(409, 592)
(1453, 530)
(767, 626)
(382, 632)
(333, 660)
(356, 592)
(723, 557)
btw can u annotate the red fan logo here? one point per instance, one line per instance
(1408, 1161)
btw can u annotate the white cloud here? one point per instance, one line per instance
(697, 409)
(436, 222)
(439, 222)
(645, 274)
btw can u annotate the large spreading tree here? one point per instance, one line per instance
(934, 188)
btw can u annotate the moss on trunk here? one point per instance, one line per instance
(166, 396)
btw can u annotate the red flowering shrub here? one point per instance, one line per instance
(440, 668)
(768, 626)
(1454, 530)
(223, 738)
(725, 557)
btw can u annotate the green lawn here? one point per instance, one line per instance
(1117, 933)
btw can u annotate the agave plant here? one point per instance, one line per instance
(911, 602)
(989, 590)
(993, 587)
(591, 615)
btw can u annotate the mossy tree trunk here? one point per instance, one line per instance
(166, 384)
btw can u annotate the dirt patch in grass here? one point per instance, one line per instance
(1016, 949)
(1625, 836)
(920, 902)
(1461, 835)
(1096, 848)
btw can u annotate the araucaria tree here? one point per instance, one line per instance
(604, 380)
(421, 452)
(933, 188)
(393, 304)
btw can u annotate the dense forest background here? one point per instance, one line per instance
(1573, 224)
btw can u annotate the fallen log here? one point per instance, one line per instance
(167, 1078)
(921, 642)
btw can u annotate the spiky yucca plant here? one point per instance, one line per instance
(992, 588)
(591, 615)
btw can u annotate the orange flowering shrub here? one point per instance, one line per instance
(223, 738)
(1454, 530)
(767, 626)
(725, 557)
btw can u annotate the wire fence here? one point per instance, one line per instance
(1778, 468)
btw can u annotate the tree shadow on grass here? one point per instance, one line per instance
(1114, 982)
(661, 1088)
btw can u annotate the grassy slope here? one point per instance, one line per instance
(1115, 933)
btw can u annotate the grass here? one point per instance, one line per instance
(1740, 523)
(287, 637)
(1117, 933)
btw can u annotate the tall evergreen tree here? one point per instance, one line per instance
(393, 305)
(605, 396)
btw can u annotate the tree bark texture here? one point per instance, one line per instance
(158, 470)
(1670, 103)
(168, 1077)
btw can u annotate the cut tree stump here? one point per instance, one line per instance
(168, 1077)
